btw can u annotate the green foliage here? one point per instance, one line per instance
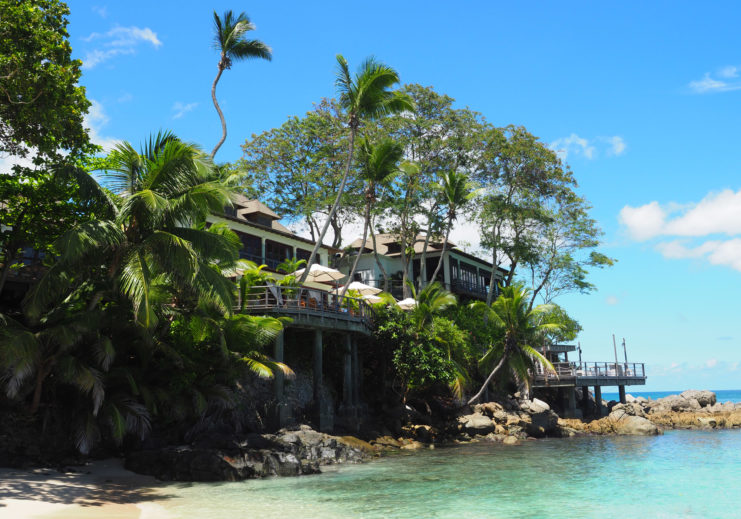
(41, 105)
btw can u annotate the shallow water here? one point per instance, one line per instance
(723, 395)
(684, 474)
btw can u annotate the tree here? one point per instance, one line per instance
(231, 42)
(297, 168)
(378, 165)
(456, 191)
(522, 327)
(152, 242)
(41, 105)
(41, 118)
(367, 96)
(437, 138)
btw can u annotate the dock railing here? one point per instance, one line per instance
(271, 298)
(592, 369)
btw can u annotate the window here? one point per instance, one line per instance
(364, 276)
(251, 247)
(276, 253)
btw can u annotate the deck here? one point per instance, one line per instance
(310, 308)
(573, 374)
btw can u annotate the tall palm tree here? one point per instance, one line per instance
(151, 242)
(367, 96)
(431, 300)
(522, 328)
(230, 40)
(378, 166)
(457, 191)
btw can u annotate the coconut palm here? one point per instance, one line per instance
(367, 96)
(522, 328)
(152, 244)
(230, 40)
(378, 166)
(431, 300)
(457, 191)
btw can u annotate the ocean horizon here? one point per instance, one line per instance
(722, 395)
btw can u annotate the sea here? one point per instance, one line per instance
(722, 396)
(681, 474)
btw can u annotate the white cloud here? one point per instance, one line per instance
(617, 145)
(643, 222)
(181, 109)
(578, 146)
(125, 97)
(95, 120)
(709, 230)
(711, 363)
(100, 11)
(729, 71)
(116, 42)
(612, 300)
(709, 84)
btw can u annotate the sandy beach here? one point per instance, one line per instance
(100, 489)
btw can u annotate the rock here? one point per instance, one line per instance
(387, 442)
(710, 423)
(636, 426)
(413, 445)
(423, 433)
(630, 409)
(491, 408)
(704, 398)
(510, 440)
(542, 423)
(287, 453)
(500, 416)
(630, 398)
(476, 424)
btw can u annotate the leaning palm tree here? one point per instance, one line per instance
(457, 191)
(522, 328)
(152, 241)
(431, 300)
(230, 40)
(367, 96)
(379, 165)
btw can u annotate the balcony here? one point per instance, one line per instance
(590, 374)
(310, 308)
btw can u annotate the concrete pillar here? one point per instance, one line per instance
(446, 271)
(621, 390)
(598, 399)
(278, 375)
(585, 400)
(317, 365)
(355, 372)
(262, 251)
(347, 388)
(571, 397)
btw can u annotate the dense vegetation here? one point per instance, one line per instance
(134, 323)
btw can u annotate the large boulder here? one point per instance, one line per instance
(543, 423)
(635, 426)
(704, 398)
(286, 453)
(476, 424)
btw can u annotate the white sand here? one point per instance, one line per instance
(102, 489)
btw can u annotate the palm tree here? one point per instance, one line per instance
(457, 191)
(367, 96)
(522, 328)
(431, 300)
(230, 40)
(151, 243)
(379, 165)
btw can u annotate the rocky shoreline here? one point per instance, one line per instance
(512, 420)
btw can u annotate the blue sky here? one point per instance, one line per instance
(644, 100)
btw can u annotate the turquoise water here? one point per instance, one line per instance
(724, 395)
(687, 474)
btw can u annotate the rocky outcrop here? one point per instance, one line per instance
(286, 453)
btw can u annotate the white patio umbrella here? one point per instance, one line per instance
(363, 289)
(321, 274)
(407, 304)
(372, 299)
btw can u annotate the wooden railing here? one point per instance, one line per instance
(593, 369)
(292, 299)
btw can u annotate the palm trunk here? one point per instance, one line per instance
(221, 114)
(360, 252)
(378, 258)
(38, 387)
(491, 376)
(442, 254)
(423, 259)
(340, 190)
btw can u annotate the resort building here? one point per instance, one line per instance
(464, 274)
